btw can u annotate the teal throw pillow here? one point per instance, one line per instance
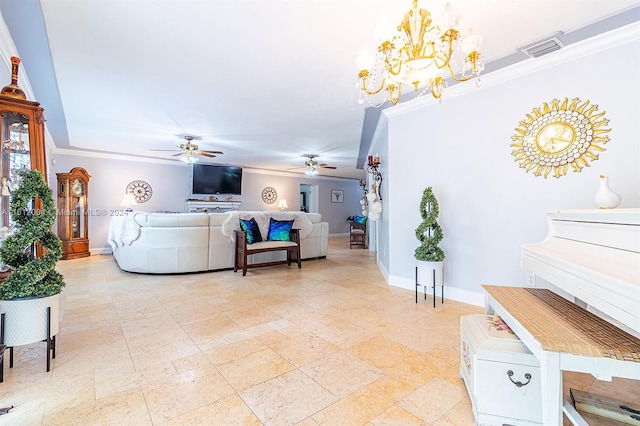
(251, 228)
(279, 230)
(360, 219)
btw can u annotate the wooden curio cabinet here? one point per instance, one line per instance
(22, 149)
(73, 224)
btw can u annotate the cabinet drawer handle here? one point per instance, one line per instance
(519, 383)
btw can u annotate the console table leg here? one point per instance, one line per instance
(551, 385)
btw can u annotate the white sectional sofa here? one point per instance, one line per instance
(166, 243)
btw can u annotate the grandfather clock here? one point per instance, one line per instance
(73, 216)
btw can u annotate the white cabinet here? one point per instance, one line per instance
(212, 206)
(501, 375)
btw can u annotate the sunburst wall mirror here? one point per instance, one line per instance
(558, 135)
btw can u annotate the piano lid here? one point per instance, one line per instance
(593, 255)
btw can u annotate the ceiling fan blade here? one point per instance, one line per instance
(175, 155)
(204, 154)
(164, 150)
(210, 152)
(324, 166)
(297, 167)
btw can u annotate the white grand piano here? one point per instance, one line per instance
(590, 320)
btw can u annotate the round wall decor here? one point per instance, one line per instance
(567, 133)
(141, 190)
(269, 195)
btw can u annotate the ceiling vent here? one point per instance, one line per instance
(542, 47)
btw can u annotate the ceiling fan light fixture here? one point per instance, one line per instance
(311, 171)
(188, 158)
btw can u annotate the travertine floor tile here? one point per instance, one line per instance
(157, 347)
(433, 400)
(254, 368)
(230, 410)
(342, 373)
(287, 399)
(304, 349)
(129, 405)
(396, 416)
(356, 409)
(184, 392)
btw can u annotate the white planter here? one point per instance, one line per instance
(426, 270)
(25, 320)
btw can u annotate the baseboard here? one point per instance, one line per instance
(101, 250)
(452, 293)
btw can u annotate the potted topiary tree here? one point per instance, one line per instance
(429, 254)
(33, 284)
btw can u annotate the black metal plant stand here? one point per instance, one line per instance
(433, 286)
(50, 341)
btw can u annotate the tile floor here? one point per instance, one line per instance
(329, 344)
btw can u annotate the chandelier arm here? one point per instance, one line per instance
(390, 67)
(436, 88)
(446, 62)
(395, 89)
(459, 79)
(369, 92)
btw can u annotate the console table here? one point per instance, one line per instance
(564, 337)
(212, 206)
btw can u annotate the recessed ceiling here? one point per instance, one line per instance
(264, 81)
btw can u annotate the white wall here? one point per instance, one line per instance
(488, 205)
(171, 184)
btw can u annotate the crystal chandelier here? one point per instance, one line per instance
(420, 53)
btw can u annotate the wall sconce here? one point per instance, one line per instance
(372, 167)
(282, 204)
(363, 187)
(128, 200)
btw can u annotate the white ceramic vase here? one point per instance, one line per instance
(606, 198)
(25, 320)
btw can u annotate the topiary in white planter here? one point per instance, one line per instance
(429, 232)
(429, 255)
(31, 277)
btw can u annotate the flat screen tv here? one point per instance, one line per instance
(216, 179)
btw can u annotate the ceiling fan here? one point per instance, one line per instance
(189, 151)
(312, 165)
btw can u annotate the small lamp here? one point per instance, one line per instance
(282, 204)
(127, 201)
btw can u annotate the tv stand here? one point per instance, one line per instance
(211, 206)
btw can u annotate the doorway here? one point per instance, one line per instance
(309, 198)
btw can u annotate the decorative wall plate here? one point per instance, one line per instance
(141, 190)
(567, 133)
(269, 195)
